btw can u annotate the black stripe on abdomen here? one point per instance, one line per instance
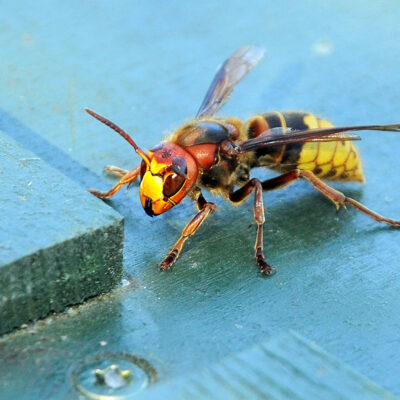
(274, 121)
(291, 152)
(294, 120)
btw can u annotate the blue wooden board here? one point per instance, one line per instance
(286, 367)
(58, 245)
(147, 65)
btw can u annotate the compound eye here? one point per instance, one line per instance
(143, 168)
(173, 184)
(179, 166)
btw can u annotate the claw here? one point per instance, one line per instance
(97, 193)
(268, 271)
(265, 268)
(169, 260)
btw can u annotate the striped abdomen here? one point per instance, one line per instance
(337, 160)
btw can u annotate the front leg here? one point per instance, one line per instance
(116, 171)
(206, 209)
(127, 178)
(240, 195)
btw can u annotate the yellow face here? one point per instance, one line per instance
(167, 180)
(152, 196)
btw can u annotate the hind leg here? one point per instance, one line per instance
(337, 198)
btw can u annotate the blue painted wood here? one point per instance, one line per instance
(58, 245)
(285, 368)
(147, 66)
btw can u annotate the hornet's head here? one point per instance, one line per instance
(168, 172)
(167, 176)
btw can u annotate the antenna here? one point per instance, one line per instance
(117, 129)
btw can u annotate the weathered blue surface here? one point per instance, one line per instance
(40, 207)
(147, 65)
(286, 367)
(58, 245)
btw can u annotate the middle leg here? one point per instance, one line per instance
(240, 195)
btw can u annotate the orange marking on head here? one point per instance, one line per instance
(157, 167)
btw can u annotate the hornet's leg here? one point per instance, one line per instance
(240, 195)
(338, 198)
(113, 170)
(205, 209)
(127, 178)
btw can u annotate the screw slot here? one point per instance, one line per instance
(113, 376)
